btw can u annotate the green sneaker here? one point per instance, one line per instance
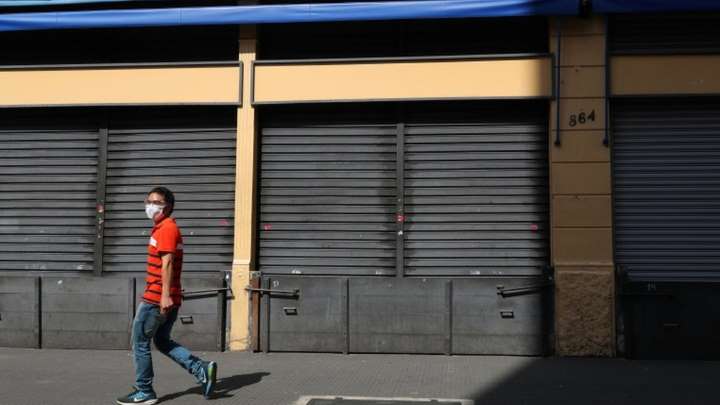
(209, 378)
(138, 397)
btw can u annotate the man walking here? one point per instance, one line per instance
(158, 309)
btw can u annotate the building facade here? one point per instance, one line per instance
(531, 181)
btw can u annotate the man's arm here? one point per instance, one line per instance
(167, 273)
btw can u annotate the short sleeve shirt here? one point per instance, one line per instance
(164, 238)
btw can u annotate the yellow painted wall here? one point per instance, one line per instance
(244, 236)
(428, 79)
(580, 183)
(666, 74)
(141, 85)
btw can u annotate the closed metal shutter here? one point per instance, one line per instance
(476, 193)
(475, 184)
(193, 157)
(454, 191)
(664, 33)
(327, 197)
(48, 169)
(666, 168)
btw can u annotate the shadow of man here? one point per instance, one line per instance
(224, 387)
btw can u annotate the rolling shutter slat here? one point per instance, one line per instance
(327, 199)
(667, 188)
(465, 220)
(194, 160)
(47, 196)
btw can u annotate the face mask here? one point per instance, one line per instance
(152, 209)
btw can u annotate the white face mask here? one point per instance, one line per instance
(153, 209)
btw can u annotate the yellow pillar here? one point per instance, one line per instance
(244, 242)
(581, 204)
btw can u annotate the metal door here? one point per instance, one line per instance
(71, 210)
(382, 217)
(476, 205)
(48, 172)
(666, 169)
(193, 154)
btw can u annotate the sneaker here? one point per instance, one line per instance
(209, 378)
(138, 397)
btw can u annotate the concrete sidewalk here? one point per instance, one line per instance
(48, 377)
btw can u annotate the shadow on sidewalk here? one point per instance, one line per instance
(223, 388)
(572, 381)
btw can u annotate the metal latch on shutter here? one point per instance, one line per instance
(292, 293)
(526, 289)
(202, 293)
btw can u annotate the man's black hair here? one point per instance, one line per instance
(168, 196)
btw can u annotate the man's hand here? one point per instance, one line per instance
(165, 304)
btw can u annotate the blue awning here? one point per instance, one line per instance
(653, 6)
(287, 13)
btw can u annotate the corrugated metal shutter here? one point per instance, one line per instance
(473, 178)
(666, 157)
(475, 188)
(476, 192)
(193, 157)
(48, 170)
(327, 197)
(665, 33)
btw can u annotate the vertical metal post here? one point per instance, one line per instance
(345, 299)
(265, 344)
(254, 305)
(100, 198)
(132, 291)
(400, 202)
(38, 314)
(448, 314)
(606, 138)
(222, 293)
(558, 58)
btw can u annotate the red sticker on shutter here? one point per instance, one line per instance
(400, 218)
(267, 227)
(534, 227)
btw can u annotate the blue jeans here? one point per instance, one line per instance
(150, 325)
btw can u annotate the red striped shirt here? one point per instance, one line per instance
(164, 238)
